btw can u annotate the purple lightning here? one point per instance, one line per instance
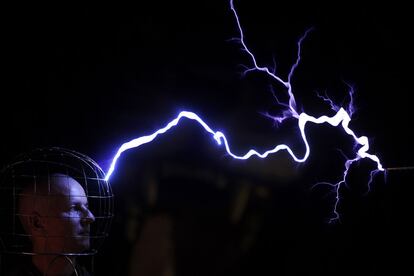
(342, 117)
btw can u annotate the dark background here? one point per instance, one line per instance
(90, 77)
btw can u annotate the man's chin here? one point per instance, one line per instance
(80, 245)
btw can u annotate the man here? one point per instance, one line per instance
(55, 215)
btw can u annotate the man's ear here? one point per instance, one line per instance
(36, 223)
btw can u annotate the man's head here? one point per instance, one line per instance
(55, 214)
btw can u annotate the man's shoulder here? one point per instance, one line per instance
(82, 271)
(28, 269)
(24, 269)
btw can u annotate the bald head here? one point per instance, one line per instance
(55, 214)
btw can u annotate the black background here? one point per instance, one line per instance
(90, 77)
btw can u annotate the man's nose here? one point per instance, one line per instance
(88, 217)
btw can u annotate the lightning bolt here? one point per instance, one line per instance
(342, 118)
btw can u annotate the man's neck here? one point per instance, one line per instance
(54, 265)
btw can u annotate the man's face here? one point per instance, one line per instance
(68, 218)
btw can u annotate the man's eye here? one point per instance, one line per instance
(79, 207)
(75, 207)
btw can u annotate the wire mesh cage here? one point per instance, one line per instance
(54, 201)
